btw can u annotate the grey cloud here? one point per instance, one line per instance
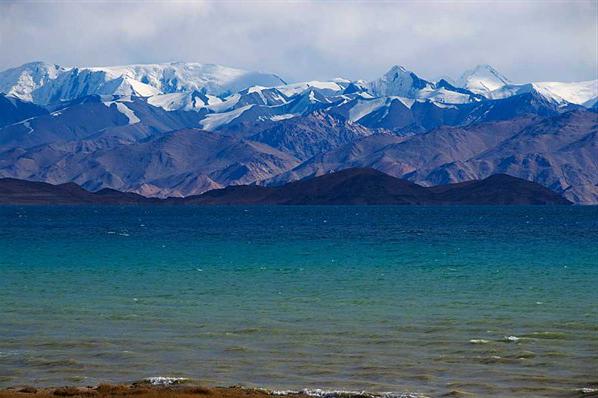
(526, 40)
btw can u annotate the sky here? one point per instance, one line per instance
(305, 40)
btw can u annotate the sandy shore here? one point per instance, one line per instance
(138, 390)
(147, 390)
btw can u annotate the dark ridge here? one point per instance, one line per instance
(504, 188)
(357, 186)
(15, 191)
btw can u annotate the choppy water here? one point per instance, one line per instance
(496, 301)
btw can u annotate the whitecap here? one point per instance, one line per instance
(478, 341)
(165, 381)
(512, 339)
(319, 393)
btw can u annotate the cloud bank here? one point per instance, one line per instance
(525, 40)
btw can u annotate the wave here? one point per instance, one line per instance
(165, 381)
(346, 394)
(479, 341)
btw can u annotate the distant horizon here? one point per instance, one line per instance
(526, 40)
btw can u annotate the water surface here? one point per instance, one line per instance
(496, 301)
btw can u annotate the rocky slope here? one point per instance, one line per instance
(179, 163)
(559, 152)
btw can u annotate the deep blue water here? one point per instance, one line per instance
(498, 301)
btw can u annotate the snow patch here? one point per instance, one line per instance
(227, 104)
(182, 101)
(285, 116)
(27, 124)
(290, 90)
(215, 120)
(125, 110)
(363, 108)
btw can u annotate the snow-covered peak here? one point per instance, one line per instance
(325, 87)
(398, 81)
(44, 83)
(397, 69)
(580, 93)
(359, 86)
(187, 101)
(341, 80)
(259, 95)
(22, 81)
(482, 79)
(189, 76)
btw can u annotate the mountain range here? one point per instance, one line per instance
(347, 187)
(181, 129)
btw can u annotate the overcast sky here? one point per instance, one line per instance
(533, 40)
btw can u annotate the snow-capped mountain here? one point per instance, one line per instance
(188, 76)
(400, 82)
(482, 79)
(142, 128)
(399, 101)
(227, 95)
(578, 93)
(45, 84)
(22, 81)
(487, 81)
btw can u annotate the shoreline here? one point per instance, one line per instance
(140, 390)
(185, 388)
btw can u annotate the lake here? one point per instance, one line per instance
(495, 301)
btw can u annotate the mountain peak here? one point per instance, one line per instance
(398, 81)
(397, 68)
(43, 83)
(482, 79)
(36, 67)
(485, 67)
(21, 81)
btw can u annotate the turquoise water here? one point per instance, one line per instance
(496, 301)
